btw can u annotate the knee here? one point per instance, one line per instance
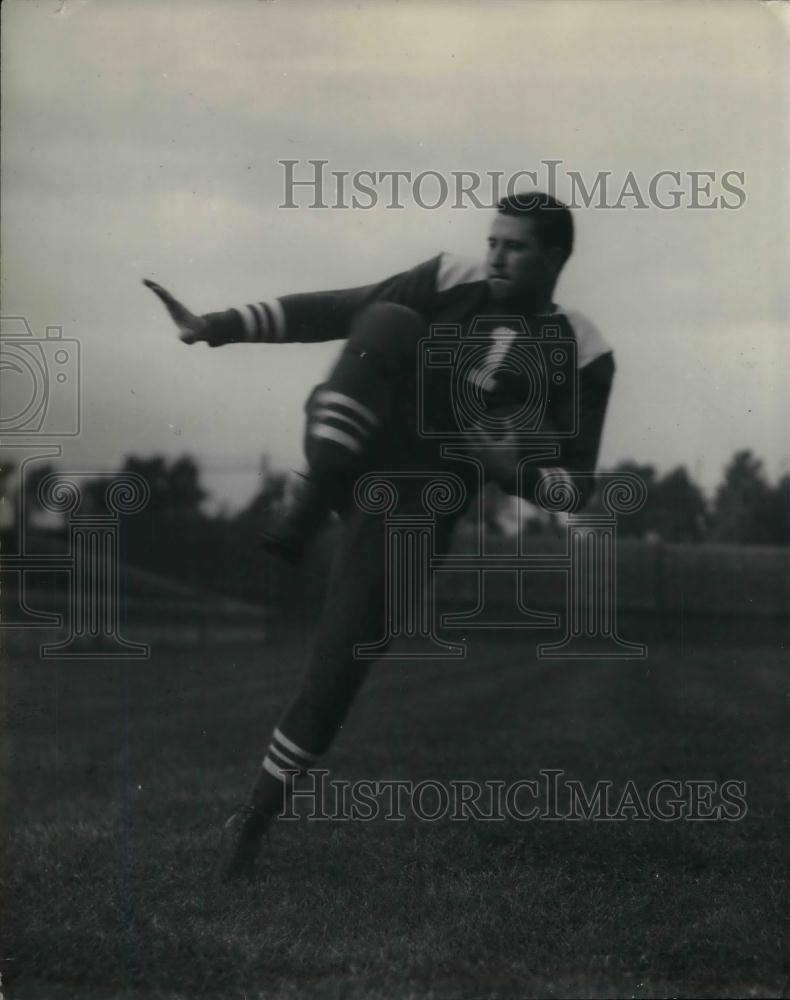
(388, 334)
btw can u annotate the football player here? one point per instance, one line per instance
(369, 416)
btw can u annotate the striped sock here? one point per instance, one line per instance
(341, 421)
(285, 760)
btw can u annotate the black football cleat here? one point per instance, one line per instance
(239, 845)
(293, 524)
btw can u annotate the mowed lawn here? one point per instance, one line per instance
(122, 773)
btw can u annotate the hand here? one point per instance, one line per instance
(499, 454)
(191, 328)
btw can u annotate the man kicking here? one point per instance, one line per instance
(369, 416)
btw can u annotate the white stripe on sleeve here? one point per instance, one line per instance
(278, 315)
(250, 326)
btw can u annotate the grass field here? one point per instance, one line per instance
(121, 774)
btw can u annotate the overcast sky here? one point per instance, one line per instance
(142, 139)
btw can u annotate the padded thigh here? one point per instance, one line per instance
(388, 334)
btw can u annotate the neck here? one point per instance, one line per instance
(536, 305)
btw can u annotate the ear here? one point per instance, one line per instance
(555, 257)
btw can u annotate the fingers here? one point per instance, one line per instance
(163, 293)
(178, 312)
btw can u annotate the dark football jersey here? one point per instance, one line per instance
(554, 371)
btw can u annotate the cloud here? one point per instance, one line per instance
(142, 138)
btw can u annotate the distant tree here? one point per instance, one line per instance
(272, 490)
(777, 515)
(186, 493)
(676, 508)
(175, 488)
(31, 505)
(640, 522)
(743, 504)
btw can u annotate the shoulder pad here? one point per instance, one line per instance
(590, 342)
(454, 270)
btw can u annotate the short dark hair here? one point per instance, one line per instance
(553, 219)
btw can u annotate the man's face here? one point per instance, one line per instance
(519, 269)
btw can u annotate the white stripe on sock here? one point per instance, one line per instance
(333, 434)
(273, 769)
(331, 396)
(326, 411)
(283, 760)
(280, 737)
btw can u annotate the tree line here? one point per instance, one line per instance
(176, 536)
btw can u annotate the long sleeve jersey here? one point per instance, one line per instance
(449, 292)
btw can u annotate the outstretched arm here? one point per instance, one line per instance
(304, 317)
